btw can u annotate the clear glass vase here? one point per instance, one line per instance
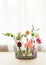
(26, 53)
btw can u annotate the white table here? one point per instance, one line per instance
(8, 58)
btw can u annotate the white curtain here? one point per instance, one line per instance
(19, 15)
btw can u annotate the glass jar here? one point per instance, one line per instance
(25, 53)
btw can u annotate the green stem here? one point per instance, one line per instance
(27, 51)
(20, 51)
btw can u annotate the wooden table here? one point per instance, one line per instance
(8, 58)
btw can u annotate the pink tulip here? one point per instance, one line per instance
(30, 41)
(29, 44)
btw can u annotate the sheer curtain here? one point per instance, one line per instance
(19, 15)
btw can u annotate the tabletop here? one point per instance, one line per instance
(8, 58)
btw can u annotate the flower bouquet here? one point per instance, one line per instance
(27, 49)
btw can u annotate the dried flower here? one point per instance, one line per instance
(19, 33)
(27, 32)
(36, 35)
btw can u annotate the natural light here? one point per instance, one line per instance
(20, 15)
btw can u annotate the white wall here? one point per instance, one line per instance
(19, 15)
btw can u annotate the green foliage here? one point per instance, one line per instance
(13, 36)
(9, 34)
(32, 34)
(25, 35)
(18, 37)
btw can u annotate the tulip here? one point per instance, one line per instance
(29, 44)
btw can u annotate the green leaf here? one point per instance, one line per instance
(18, 37)
(25, 35)
(7, 34)
(12, 35)
(32, 34)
